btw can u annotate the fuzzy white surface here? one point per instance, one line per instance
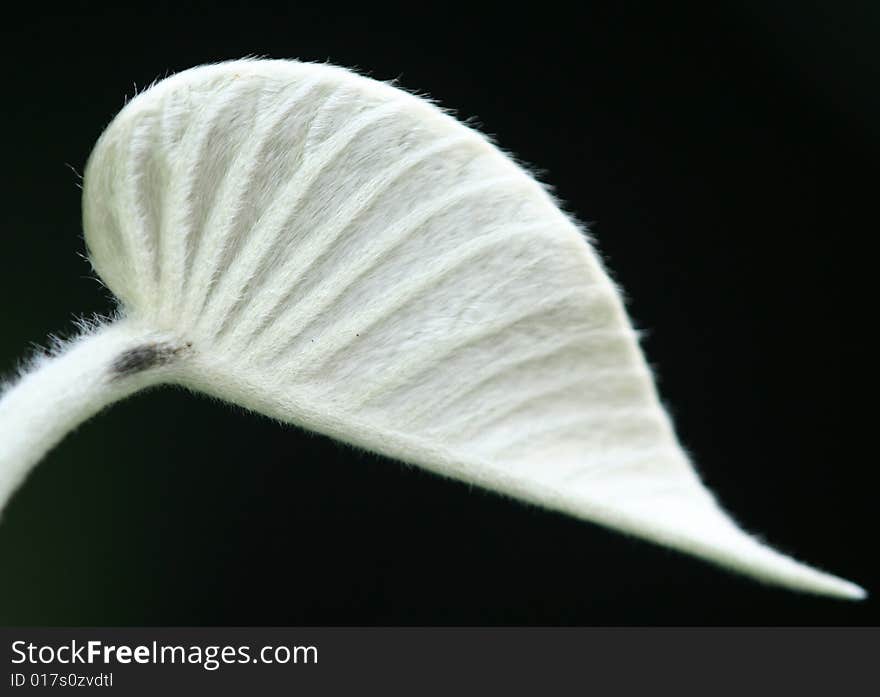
(342, 255)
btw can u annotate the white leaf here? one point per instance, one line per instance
(339, 254)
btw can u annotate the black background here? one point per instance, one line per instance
(721, 153)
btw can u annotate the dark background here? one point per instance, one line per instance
(721, 153)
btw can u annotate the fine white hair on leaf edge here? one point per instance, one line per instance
(350, 258)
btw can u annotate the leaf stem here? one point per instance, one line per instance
(61, 391)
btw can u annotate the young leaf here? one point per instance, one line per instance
(339, 254)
